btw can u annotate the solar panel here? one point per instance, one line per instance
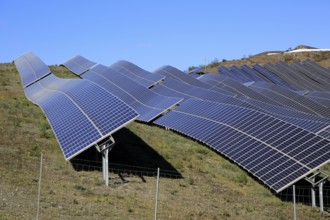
(183, 90)
(253, 74)
(244, 76)
(273, 77)
(77, 104)
(240, 89)
(317, 69)
(147, 103)
(299, 77)
(170, 71)
(177, 89)
(311, 76)
(31, 68)
(105, 110)
(224, 71)
(292, 99)
(78, 64)
(322, 98)
(145, 78)
(284, 76)
(74, 131)
(274, 151)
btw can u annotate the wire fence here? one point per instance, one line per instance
(81, 193)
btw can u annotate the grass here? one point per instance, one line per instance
(322, 58)
(211, 187)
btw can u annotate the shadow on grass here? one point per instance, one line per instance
(130, 155)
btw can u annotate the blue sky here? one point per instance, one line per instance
(153, 33)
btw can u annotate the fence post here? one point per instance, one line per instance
(39, 187)
(157, 188)
(294, 202)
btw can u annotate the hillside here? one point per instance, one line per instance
(200, 183)
(322, 58)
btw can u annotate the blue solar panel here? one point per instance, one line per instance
(31, 68)
(241, 74)
(309, 122)
(253, 74)
(105, 110)
(291, 99)
(170, 71)
(317, 69)
(314, 78)
(80, 112)
(322, 98)
(283, 75)
(273, 77)
(181, 89)
(240, 89)
(147, 103)
(145, 78)
(276, 152)
(304, 81)
(73, 130)
(78, 64)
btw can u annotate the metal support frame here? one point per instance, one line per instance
(313, 180)
(104, 147)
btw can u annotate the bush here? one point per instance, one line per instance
(287, 58)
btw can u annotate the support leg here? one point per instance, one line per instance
(313, 197)
(106, 166)
(103, 166)
(321, 196)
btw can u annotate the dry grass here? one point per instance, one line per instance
(211, 188)
(322, 58)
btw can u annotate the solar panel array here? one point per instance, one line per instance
(272, 120)
(31, 68)
(290, 138)
(147, 103)
(78, 64)
(274, 151)
(136, 73)
(80, 113)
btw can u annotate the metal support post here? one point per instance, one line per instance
(321, 196)
(294, 202)
(157, 188)
(106, 166)
(313, 197)
(313, 194)
(103, 172)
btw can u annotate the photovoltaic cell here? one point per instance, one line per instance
(145, 78)
(170, 71)
(78, 64)
(291, 99)
(240, 89)
(251, 140)
(317, 69)
(73, 130)
(306, 82)
(147, 103)
(254, 74)
(273, 77)
(80, 112)
(31, 68)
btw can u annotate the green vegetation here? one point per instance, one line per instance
(211, 188)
